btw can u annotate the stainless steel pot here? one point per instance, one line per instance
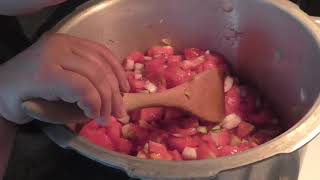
(269, 43)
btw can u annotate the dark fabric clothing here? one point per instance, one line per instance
(62, 11)
(12, 38)
(312, 7)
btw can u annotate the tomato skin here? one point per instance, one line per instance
(96, 135)
(221, 138)
(244, 129)
(175, 76)
(205, 152)
(136, 56)
(179, 143)
(191, 53)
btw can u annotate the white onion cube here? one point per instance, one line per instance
(189, 153)
(231, 121)
(150, 87)
(228, 83)
(147, 58)
(126, 131)
(130, 64)
(202, 129)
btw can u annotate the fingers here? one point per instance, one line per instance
(96, 74)
(74, 88)
(118, 109)
(109, 59)
(115, 65)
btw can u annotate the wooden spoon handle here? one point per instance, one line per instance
(58, 112)
(61, 112)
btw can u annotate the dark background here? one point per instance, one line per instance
(52, 162)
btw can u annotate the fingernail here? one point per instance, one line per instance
(124, 119)
(122, 113)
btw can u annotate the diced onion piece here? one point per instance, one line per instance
(150, 87)
(126, 131)
(138, 67)
(228, 83)
(207, 52)
(188, 132)
(137, 75)
(189, 153)
(130, 64)
(202, 129)
(166, 41)
(146, 148)
(189, 64)
(177, 135)
(147, 58)
(141, 155)
(231, 121)
(218, 127)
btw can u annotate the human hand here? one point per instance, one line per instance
(16, 7)
(68, 68)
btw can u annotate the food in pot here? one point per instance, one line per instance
(169, 134)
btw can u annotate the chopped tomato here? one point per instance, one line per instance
(174, 60)
(221, 137)
(191, 53)
(136, 56)
(176, 156)
(204, 152)
(179, 143)
(159, 151)
(160, 51)
(244, 129)
(176, 76)
(151, 114)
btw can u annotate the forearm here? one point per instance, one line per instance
(7, 136)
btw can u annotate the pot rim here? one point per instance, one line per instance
(287, 142)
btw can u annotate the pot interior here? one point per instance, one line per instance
(265, 46)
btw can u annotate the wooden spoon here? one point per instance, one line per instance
(202, 96)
